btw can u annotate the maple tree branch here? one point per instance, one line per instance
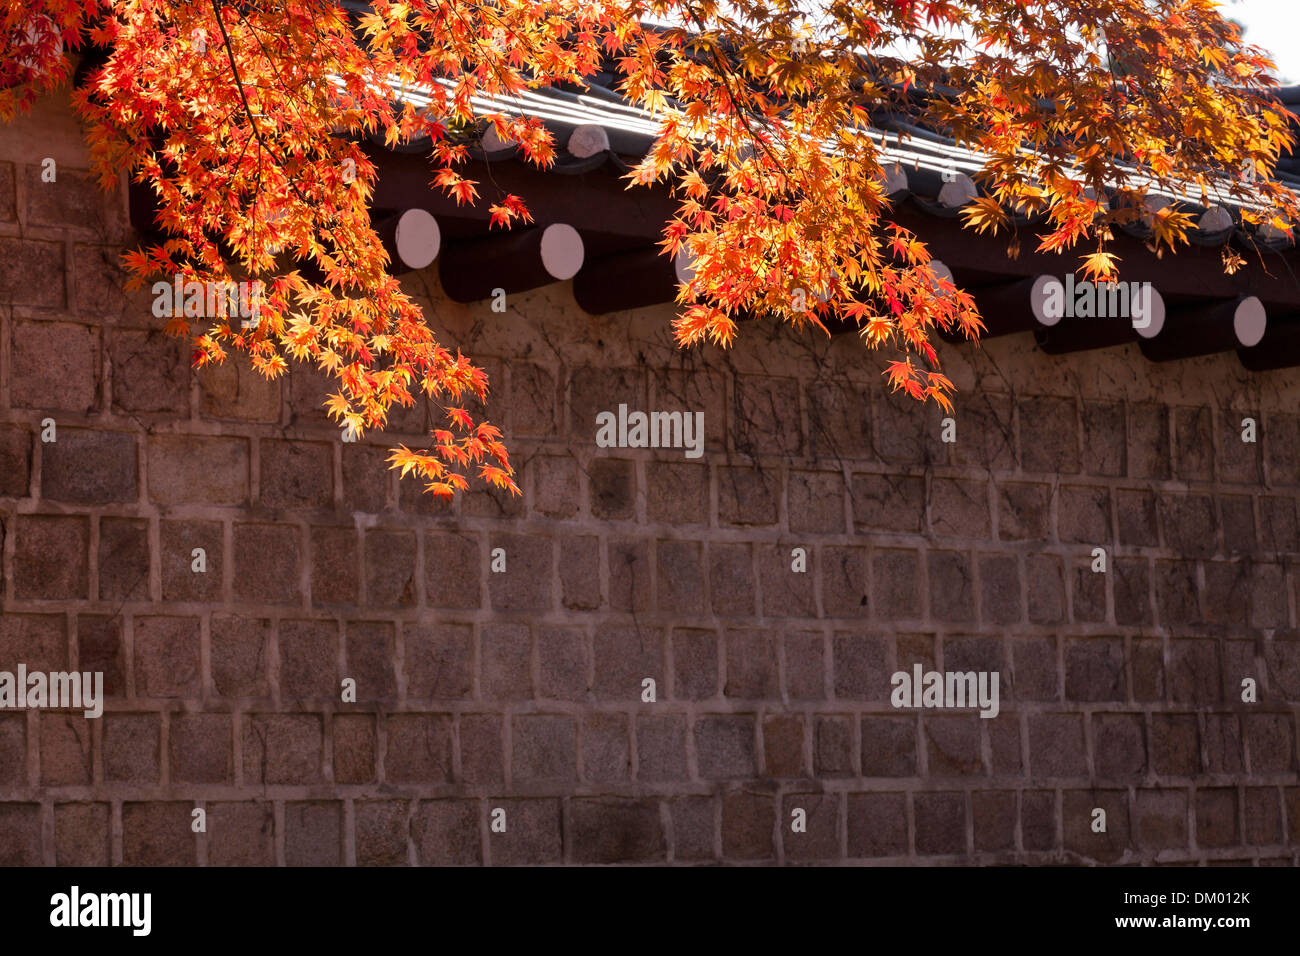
(283, 86)
(725, 73)
(341, 253)
(248, 111)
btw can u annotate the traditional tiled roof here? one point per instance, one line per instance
(586, 216)
(924, 163)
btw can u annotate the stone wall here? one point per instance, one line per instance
(522, 690)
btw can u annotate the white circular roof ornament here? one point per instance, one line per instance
(958, 191)
(418, 238)
(1215, 219)
(562, 251)
(1270, 233)
(1249, 321)
(494, 142)
(895, 179)
(1149, 312)
(588, 140)
(1047, 300)
(684, 265)
(941, 271)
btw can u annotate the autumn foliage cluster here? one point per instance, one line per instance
(244, 118)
